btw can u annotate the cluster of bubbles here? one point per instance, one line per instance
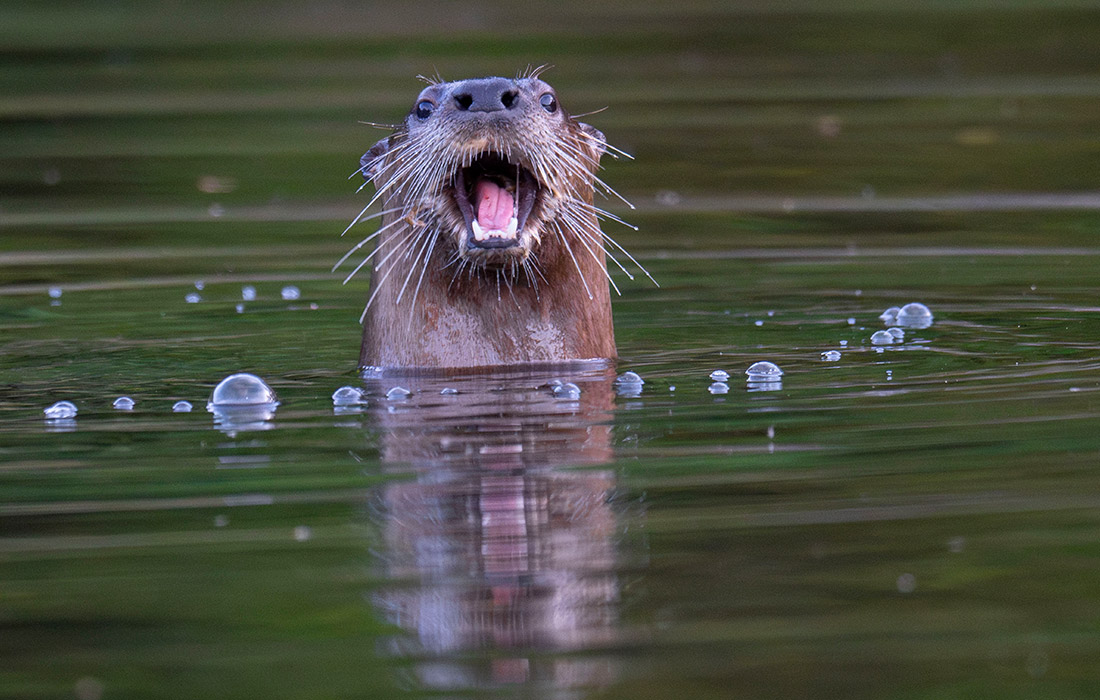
(567, 391)
(913, 315)
(248, 293)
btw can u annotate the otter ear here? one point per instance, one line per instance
(594, 137)
(371, 162)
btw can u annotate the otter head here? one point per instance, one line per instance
(492, 169)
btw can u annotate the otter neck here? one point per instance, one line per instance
(466, 318)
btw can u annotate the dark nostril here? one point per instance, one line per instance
(464, 101)
(509, 99)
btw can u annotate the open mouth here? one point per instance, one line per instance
(495, 198)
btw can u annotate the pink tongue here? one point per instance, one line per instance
(494, 206)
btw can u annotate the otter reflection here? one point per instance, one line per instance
(494, 545)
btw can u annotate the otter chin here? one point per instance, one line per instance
(490, 252)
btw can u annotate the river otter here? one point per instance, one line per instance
(489, 252)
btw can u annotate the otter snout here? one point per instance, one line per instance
(486, 95)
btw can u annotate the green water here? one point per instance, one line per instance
(920, 522)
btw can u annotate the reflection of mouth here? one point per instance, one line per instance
(495, 197)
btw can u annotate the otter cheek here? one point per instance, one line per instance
(495, 206)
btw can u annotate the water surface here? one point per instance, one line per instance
(915, 520)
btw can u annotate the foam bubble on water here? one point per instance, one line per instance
(844, 343)
(629, 384)
(448, 391)
(200, 285)
(889, 316)
(567, 391)
(291, 293)
(54, 292)
(830, 355)
(882, 338)
(764, 371)
(240, 308)
(397, 393)
(248, 293)
(906, 583)
(60, 411)
(719, 375)
(896, 332)
(347, 396)
(914, 315)
(719, 388)
(851, 321)
(88, 688)
(629, 378)
(182, 407)
(123, 403)
(192, 298)
(758, 323)
(242, 389)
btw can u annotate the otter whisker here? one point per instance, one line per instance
(580, 273)
(384, 259)
(360, 244)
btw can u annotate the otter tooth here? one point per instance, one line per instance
(479, 234)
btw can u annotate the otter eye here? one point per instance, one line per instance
(424, 109)
(549, 103)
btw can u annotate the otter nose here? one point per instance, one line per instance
(486, 95)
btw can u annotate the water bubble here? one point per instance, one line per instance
(243, 389)
(448, 391)
(719, 388)
(851, 321)
(181, 407)
(60, 410)
(672, 387)
(629, 378)
(843, 343)
(291, 293)
(221, 520)
(88, 688)
(347, 396)
(248, 293)
(830, 355)
(240, 308)
(719, 375)
(242, 402)
(397, 393)
(764, 371)
(302, 533)
(54, 292)
(568, 391)
(215, 210)
(200, 285)
(758, 323)
(956, 544)
(629, 384)
(889, 316)
(192, 298)
(907, 583)
(882, 338)
(123, 403)
(896, 332)
(914, 315)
